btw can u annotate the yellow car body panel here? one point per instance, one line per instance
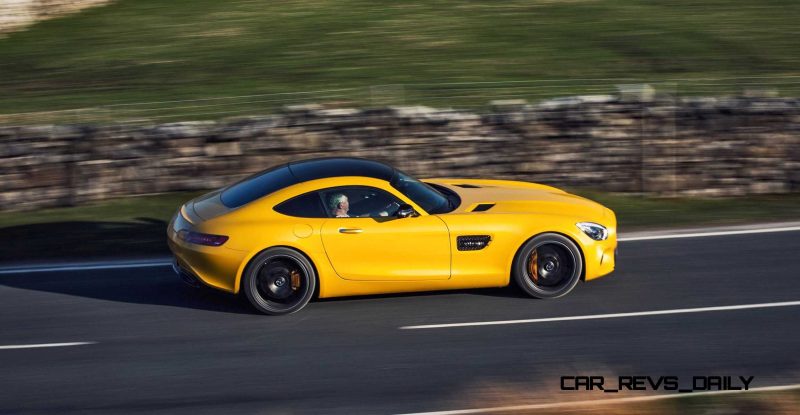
(392, 255)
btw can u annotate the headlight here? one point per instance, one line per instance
(593, 230)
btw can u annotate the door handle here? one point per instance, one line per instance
(350, 230)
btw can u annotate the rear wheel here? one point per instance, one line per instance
(279, 281)
(548, 266)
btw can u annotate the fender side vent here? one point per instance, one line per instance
(483, 207)
(472, 242)
(468, 186)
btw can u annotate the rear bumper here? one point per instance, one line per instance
(185, 275)
(214, 266)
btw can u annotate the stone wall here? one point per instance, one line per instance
(693, 146)
(18, 14)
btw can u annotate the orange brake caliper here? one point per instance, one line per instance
(534, 266)
(295, 279)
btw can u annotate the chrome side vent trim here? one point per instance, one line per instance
(483, 207)
(472, 242)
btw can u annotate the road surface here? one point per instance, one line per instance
(149, 344)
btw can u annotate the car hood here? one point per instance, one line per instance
(504, 196)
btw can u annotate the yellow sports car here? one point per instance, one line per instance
(336, 227)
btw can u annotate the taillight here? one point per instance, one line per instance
(201, 238)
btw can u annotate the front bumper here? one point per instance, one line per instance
(600, 257)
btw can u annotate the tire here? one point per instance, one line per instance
(559, 265)
(279, 281)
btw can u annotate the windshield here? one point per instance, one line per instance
(422, 194)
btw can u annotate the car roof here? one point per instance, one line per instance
(323, 168)
(286, 175)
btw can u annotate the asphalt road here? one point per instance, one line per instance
(162, 347)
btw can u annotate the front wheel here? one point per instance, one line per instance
(279, 281)
(548, 266)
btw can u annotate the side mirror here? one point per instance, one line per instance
(405, 211)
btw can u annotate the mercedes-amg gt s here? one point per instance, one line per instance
(346, 226)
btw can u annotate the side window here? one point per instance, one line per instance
(306, 205)
(359, 201)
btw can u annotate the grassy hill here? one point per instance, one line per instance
(156, 50)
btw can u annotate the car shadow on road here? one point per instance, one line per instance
(509, 291)
(159, 286)
(147, 286)
(83, 241)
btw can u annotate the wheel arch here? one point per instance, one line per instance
(565, 235)
(249, 260)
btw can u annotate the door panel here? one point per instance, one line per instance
(388, 248)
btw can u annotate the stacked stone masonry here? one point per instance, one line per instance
(693, 146)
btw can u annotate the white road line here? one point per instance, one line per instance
(636, 236)
(606, 401)
(602, 316)
(87, 266)
(37, 346)
(707, 234)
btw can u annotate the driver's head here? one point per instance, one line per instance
(339, 202)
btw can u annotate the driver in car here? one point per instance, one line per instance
(340, 207)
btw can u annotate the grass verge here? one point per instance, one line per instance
(152, 50)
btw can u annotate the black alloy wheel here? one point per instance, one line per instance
(279, 281)
(548, 266)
